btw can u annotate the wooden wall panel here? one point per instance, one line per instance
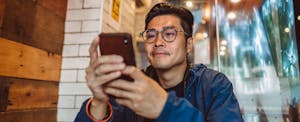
(35, 25)
(1, 13)
(43, 115)
(56, 6)
(22, 61)
(4, 85)
(28, 94)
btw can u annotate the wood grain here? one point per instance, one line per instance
(43, 115)
(28, 94)
(1, 13)
(22, 61)
(34, 25)
(58, 7)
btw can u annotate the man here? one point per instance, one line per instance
(170, 90)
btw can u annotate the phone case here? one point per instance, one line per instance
(118, 43)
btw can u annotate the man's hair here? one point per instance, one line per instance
(185, 16)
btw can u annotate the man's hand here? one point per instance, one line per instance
(101, 70)
(144, 95)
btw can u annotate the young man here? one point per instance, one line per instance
(170, 90)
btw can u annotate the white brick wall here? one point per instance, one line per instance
(84, 22)
(70, 50)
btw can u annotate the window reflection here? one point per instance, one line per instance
(257, 51)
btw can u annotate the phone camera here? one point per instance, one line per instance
(125, 41)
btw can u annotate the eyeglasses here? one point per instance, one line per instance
(168, 34)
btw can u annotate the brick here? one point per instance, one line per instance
(66, 114)
(73, 26)
(75, 63)
(88, 26)
(81, 76)
(66, 102)
(75, 4)
(80, 100)
(84, 50)
(83, 14)
(79, 38)
(74, 89)
(70, 50)
(68, 75)
(92, 3)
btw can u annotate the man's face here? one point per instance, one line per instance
(162, 54)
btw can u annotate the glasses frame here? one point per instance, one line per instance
(162, 35)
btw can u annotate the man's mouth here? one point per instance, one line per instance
(160, 53)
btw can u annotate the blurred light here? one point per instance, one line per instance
(222, 48)
(231, 15)
(207, 13)
(235, 1)
(298, 17)
(189, 4)
(287, 30)
(222, 53)
(199, 36)
(223, 42)
(205, 35)
(203, 21)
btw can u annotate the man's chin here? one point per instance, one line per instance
(160, 66)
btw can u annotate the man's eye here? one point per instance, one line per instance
(170, 34)
(149, 36)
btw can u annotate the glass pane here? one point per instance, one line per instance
(256, 48)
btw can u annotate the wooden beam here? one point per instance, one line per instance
(59, 7)
(44, 115)
(34, 25)
(1, 13)
(4, 87)
(24, 94)
(22, 61)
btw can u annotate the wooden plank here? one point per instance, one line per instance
(28, 94)
(59, 7)
(4, 87)
(22, 61)
(1, 13)
(44, 115)
(33, 25)
(48, 32)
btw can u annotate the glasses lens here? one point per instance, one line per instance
(149, 35)
(169, 34)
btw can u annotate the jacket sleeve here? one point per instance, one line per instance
(81, 115)
(220, 105)
(223, 105)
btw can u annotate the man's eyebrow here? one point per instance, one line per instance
(169, 27)
(165, 27)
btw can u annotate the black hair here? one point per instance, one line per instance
(185, 16)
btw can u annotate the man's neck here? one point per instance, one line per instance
(171, 77)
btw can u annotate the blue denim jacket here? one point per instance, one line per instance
(208, 97)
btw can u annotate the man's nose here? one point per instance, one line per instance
(159, 41)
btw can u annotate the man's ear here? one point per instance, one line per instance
(189, 44)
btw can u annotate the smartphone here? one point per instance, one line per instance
(119, 44)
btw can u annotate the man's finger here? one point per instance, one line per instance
(107, 59)
(133, 72)
(93, 50)
(119, 93)
(108, 77)
(110, 59)
(122, 84)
